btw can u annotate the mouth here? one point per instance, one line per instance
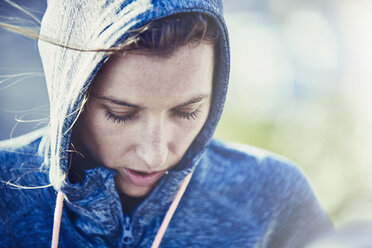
(142, 178)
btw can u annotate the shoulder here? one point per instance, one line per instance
(261, 192)
(237, 152)
(240, 175)
(20, 149)
(21, 168)
(21, 154)
(26, 142)
(244, 164)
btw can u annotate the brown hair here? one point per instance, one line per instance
(164, 36)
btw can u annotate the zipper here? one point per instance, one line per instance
(128, 236)
(128, 239)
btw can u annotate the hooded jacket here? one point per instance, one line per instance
(238, 196)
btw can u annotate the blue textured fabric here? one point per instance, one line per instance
(237, 197)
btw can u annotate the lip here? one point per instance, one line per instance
(142, 178)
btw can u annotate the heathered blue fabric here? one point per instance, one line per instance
(237, 197)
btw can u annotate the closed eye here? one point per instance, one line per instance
(187, 116)
(120, 119)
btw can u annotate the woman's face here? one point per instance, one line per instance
(144, 111)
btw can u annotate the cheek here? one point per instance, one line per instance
(188, 130)
(103, 138)
(101, 127)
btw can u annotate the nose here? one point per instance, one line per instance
(153, 147)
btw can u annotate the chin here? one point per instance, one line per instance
(137, 191)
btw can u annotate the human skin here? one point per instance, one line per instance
(143, 112)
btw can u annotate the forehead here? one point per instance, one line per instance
(138, 77)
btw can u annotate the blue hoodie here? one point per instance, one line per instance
(238, 196)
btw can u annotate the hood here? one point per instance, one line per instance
(71, 65)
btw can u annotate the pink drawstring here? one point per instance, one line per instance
(57, 219)
(164, 225)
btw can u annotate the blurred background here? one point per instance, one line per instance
(300, 86)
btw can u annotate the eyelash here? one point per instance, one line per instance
(131, 116)
(187, 116)
(120, 119)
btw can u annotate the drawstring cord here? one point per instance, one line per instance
(163, 227)
(57, 219)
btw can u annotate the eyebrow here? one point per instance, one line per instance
(123, 103)
(118, 102)
(194, 100)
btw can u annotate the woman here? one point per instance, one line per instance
(136, 90)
